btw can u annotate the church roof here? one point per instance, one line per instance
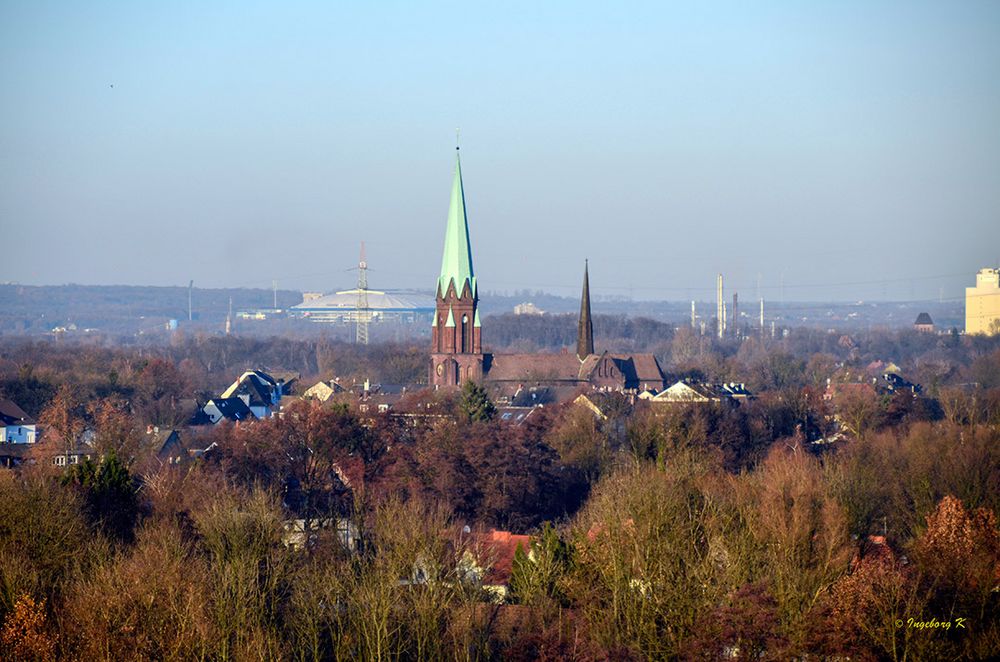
(533, 367)
(647, 368)
(456, 262)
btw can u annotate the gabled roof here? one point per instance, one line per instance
(233, 409)
(646, 368)
(11, 414)
(456, 262)
(588, 364)
(683, 391)
(320, 390)
(256, 384)
(530, 368)
(924, 318)
(162, 442)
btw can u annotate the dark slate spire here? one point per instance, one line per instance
(585, 333)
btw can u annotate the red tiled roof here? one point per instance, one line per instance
(498, 548)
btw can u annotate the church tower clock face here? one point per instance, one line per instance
(440, 369)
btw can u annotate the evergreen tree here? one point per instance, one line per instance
(111, 495)
(475, 405)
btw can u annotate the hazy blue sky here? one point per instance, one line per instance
(852, 146)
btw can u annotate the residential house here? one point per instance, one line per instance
(346, 532)
(323, 391)
(166, 445)
(489, 560)
(924, 323)
(231, 409)
(688, 392)
(16, 427)
(258, 390)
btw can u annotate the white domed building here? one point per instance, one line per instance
(343, 307)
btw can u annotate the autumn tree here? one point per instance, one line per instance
(150, 602)
(645, 568)
(958, 558)
(115, 428)
(539, 573)
(25, 635)
(865, 613)
(858, 408)
(44, 537)
(801, 533)
(65, 415)
(581, 441)
(247, 569)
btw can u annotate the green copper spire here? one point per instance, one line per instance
(456, 263)
(451, 318)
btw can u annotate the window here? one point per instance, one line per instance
(74, 459)
(60, 460)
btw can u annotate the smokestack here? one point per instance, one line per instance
(762, 317)
(693, 316)
(720, 308)
(190, 287)
(736, 315)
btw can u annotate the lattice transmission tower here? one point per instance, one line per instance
(363, 314)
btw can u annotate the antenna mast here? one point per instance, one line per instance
(362, 312)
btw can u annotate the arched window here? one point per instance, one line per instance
(465, 333)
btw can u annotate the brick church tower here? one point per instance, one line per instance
(456, 346)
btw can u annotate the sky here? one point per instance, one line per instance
(806, 150)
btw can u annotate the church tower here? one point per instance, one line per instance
(585, 331)
(456, 346)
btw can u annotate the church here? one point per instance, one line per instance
(456, 339)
